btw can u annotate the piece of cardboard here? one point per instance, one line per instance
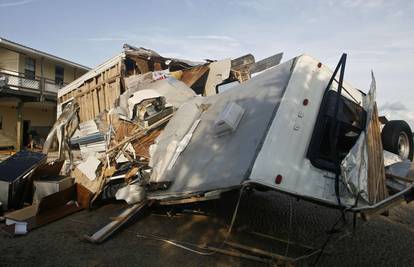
(48, 187)
(50, 208)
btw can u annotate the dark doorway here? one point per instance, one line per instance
(26, 127)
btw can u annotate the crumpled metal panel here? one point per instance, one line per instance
(354, 167)
(210, 162)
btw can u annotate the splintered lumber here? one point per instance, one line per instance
(113, 226)
(139, 133)
(191, 76)
(377, 190)
(141, 146)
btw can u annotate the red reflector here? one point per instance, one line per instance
(305, 102)
(319, 65)
(278, 179)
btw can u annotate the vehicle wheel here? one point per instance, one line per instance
(397, 138)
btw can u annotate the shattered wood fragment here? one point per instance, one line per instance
(377, 190)
(109, 171)
(131, 173)
(191, 76)
(124, 129)
(141, 145)
(139, 133)
(80, 178)
(100, 182)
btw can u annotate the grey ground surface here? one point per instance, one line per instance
(383, 241)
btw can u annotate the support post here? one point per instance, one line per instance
(42, 81)
(19, 125)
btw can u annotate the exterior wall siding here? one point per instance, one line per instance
(9, 60)
(14, 61)
(41, 115)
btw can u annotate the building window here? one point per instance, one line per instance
(59, 72)
(30, 68)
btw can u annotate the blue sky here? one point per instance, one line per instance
(376, 34)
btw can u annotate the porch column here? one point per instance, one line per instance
(42, 81)
(19, 125)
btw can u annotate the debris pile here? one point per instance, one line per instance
(146, 130)
(114, 116)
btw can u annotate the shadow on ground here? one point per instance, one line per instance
(383, 241)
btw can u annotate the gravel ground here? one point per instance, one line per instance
(383, 241)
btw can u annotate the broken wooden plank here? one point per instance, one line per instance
(377, 190)
(191, 76)
(50, 209)
(105, 232)
(188, 200)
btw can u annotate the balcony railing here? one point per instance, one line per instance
(19, 81)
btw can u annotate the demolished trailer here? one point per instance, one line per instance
(304, 130)
(155, 130)
(298, 134)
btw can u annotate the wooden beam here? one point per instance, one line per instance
(377, 190)
(113, 226)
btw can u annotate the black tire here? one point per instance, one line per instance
(391, 142)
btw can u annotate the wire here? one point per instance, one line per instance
(176, 243)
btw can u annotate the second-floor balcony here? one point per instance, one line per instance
(35, 85)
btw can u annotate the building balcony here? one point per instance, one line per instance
(16, 83)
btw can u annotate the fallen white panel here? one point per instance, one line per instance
(89, 167)
(219, 71)
(132, 193)
(214, 163)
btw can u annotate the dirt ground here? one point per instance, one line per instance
(383, 241)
